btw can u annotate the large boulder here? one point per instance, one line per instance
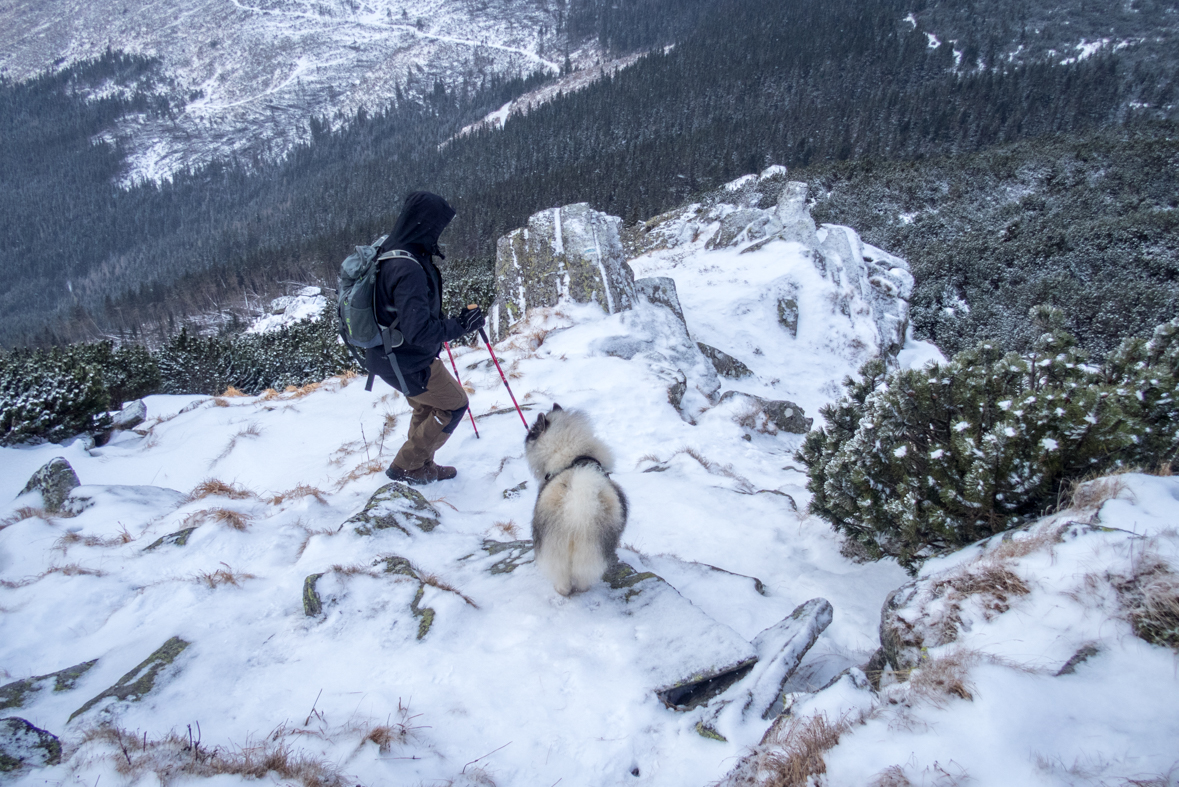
(53, 481)
(132, 415)
(24, 746)
(779, 415)
(573, 253)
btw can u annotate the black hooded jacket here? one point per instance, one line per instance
(414, 288)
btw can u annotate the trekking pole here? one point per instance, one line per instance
(460, 382)
(483, 334)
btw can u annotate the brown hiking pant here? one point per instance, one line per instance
(436, 413)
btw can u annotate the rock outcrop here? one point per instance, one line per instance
(779, 415)
(17, 693)
(24, 746)
(136, 684)
(53, 481)
(398, 506)
(573, 253)
(755, 210)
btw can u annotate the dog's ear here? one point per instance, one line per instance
(556, 407)
(538, 428)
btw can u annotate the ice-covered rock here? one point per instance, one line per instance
(572, 253)
(53, 481)
(661, 290)
(780, 415)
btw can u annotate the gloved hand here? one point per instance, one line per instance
(471, 319)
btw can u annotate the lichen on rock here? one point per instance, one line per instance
(137, 683)
(179, 538)
(53, 481)
(572, 253)
(14, 695)
(23, 745)
(396, 506)
(517, 550)
(312, 603)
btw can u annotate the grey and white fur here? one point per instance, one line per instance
(580, 512)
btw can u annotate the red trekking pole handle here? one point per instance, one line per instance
(460, 382)
(483, 335)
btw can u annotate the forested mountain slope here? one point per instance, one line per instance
(745, 85)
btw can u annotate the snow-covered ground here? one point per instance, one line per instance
(511, 684)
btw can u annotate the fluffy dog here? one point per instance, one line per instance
(580, 512)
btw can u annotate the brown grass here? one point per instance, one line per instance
(213, 487)
(360, 471)
(174, 756)
(231, 393)
(509, 529)
(298, 392)
(791, 754)
(222, 576)
(299, 491)
(936, 680)
(1014, 548)
(232, 519)
(68, 570)
(1150, 597)
(434, 581)
(327, 531)
(220, 401)
(23, 513)
(892, 776)
(1091, 493)
(70, 539)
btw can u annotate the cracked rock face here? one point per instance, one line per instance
(568, 254)
(54, 481)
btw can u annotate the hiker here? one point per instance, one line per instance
(411, 289)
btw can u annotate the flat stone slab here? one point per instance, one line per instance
(689, 658)
(24, 746)
(781, 648)
(395, 506)
(137, 683)
(18, 693)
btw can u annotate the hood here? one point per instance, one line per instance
(423, 217)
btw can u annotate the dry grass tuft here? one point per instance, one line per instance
(23, 513)
(743, 484)
(892, 776)
(1014, 548)
(70, 539)
(222, 576)
(173, 756)
(68, 570)
(269, 395)
(355, 569)
(1091, 493)
(509, 529)
(938, 679)
(1150, 596)
(434, 581)
(212, 487)
(220, 401)
(231, 393)
(298, 392)
(791, 754)
(360, 471)
(299, 491)
(232, 519)
(327, 531)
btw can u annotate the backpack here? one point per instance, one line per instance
(357, 307)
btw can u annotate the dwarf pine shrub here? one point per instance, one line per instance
(919, 461)
(49, 396)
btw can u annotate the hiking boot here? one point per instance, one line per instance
(426, 474)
